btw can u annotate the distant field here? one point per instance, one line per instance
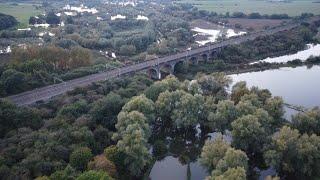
(21, 12)
(262, 6)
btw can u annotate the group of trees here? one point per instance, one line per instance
(7, 21)
(267, 46)
(51, 18)
(224, 161)
(33, 67)
(66, 138)
(257, 127)
(106, 131)
(257, 15)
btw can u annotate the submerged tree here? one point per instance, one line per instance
(213, 152)
(294, 154)
(225, 113)
(248, 134)
(133, 132)
(232, 159)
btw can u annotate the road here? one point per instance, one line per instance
(47, 92)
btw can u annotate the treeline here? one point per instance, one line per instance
(257, 16)
(266, 46)
(51, 18)
(7, 21)
(196, 13)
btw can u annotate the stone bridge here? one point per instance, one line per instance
(168, 67)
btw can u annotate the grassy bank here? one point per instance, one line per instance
(21, 11)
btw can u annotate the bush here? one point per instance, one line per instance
(101, 163)
(117, 157)
(94, 175)
(127, 50)
(7, 21)
(159, 149)
(79, 158)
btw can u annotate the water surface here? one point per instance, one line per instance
(297, 86)
(311, 50)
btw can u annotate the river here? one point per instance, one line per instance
(297, 86)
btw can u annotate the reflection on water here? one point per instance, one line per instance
(297, 86)
(171, 169)
(312, 50)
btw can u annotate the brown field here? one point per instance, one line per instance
(256, 24)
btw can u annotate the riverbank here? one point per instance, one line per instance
(230, 69)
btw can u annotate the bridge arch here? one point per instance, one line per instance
(193, 60)
(168, 67)
(205, 57)
(180, 66)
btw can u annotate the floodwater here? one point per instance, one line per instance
(118, 16)
(212, 35)
(297, 86)
(171, 169)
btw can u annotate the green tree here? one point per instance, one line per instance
(275, 107)
(52, 18)
(225, 113)
(42, 178)
(293, 154)
(159, 149)
(105, 110)
(238, 173)
(153, 91)
(214, 84)
(248, 134)
(239, 90)
(141, 104)
(213, 151)
(13, 81)
(188, 110)
(269, 123)
(126, 119)
(80, 157)
(232, 159)
(94, 175)
(307, 122)
(245, 108)
(116, 156)
(133, 132)
(167, 101)
(74, 110)
(67, 174)
(101, 163)
(134, 145)
(127, 50)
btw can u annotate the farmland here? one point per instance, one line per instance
(21, 12)
(292, 8)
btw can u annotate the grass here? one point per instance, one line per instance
(293, 8)
(21, 12)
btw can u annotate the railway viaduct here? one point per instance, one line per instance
(153, 67)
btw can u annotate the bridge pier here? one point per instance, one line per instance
(170, 67)
(194, 60)
(154, 72)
